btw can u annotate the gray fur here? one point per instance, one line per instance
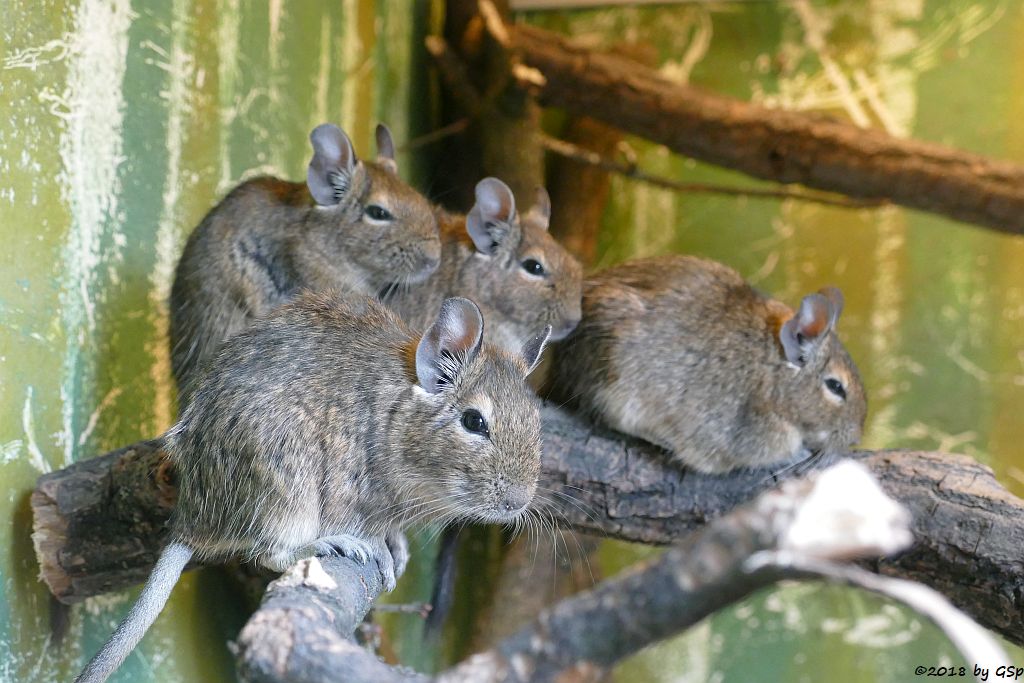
(482, 257)
(269, 238)
(310, 435)
(682, 352)
(143, 613)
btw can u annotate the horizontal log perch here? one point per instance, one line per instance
(98, 523)
(968, 529)
(303, 630)
(772, 144)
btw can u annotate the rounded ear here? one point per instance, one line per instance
(533, 349)
(386, 149)
(451, 343)
(329, 176)
(835, 302)
(490, 220)
(540, 213)
(803, 333)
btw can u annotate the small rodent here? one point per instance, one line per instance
(684, 353)
(510, 265)
(327, 427)
(354, 226)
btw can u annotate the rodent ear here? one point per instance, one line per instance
(801, 334)
(533, 349)
(835, 302)
(450, 344)
(386, 149)
(540, 213)
(490, 220)
(329, 177)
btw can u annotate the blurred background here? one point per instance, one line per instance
(122, 123)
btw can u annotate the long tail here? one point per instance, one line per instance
(141, 616)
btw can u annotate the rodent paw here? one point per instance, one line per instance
(387, 567)
(399, 547)
(346, 545)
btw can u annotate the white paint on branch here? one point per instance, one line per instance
(847, 515)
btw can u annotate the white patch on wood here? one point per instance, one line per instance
(307, 572)
(846, 514)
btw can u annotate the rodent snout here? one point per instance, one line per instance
(565, 328)
(515, 499)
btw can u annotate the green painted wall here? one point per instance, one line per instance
(122, 122)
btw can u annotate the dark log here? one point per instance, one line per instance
(783, 146)
(98, 525)
(969, 530)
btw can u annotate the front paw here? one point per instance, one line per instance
(386, 563)
(346, 545)
(399, 547)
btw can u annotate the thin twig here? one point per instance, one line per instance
(437, 135)
(419, 608)
(589, 158)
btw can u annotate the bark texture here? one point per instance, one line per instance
(783, 146)
(98, 524)
(302, 633)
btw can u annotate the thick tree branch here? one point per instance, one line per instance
(303, 630)
(97, 523)
(784, 146)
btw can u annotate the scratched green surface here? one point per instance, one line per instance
(121, 122)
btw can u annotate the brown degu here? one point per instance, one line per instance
(684, 353)
(509, 264)
(354, 226)
(328, 427)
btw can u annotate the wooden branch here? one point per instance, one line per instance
(303, 631)
(798, 531)
(582, 156)
(97, 524)
(784, 146)
(969, 530)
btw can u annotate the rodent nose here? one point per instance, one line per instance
(515, 499)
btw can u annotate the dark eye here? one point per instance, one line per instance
(836, 387)
(533, 267)
(378, 213)
(474, 422)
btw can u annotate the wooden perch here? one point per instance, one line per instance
(97, 523)
(303, 630)
(783, 146)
